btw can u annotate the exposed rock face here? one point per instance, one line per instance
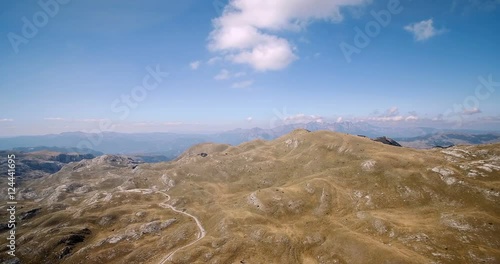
(444, 147)
(107, 161)
(67, 158)
(29, 214)
(387, 141)
(70, 241)
(44, 166)
(33, 165)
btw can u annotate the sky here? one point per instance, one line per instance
(201, 66)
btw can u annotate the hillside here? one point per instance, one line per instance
(306, 197)
(40, 162)
(449, 139)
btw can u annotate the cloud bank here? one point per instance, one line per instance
(247, 32)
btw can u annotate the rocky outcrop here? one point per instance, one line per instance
(29, 214)
(33, 165)
(71, 241)
(67, 158)
(45, 166)
(387, 141)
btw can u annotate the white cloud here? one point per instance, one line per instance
(247, 30)
(272, 55)
(302, 118)
(387, 118)
(222, 75)
(391, 115)
(412, 118)
(225, 75)
(393, 111)
(249, 119)
(91, 120)
(195, 65)
(214, 60)
(242, 84)
(339, 119)
(439, 117)
(172, 123)
(395, 118)
(471, 111)
(6, 120)
(423, 30)
(54, 119)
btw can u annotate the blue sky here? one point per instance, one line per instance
(433, 63)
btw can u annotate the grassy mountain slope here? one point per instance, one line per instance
(306, 197)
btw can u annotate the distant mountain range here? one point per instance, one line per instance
(167, 146)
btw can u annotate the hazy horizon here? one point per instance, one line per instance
(222, 130)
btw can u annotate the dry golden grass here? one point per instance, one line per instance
(318, 197)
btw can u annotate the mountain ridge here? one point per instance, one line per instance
(305, 197)
(167, 146)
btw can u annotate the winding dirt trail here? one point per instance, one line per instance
(202, 233)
